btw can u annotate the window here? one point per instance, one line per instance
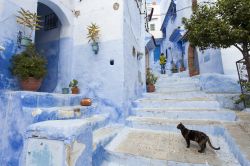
(50, 22)
(173, 11)
(152, 27)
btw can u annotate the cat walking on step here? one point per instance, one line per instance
(197, 136)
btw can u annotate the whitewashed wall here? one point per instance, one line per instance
(210, 60)
(121, 30)
(229, 58)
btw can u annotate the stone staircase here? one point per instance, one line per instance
(26, 108)
(151, 138)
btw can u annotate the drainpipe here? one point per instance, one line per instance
(2, 48)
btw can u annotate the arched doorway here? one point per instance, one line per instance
(47, 41)
(193, 61)
(52, 41)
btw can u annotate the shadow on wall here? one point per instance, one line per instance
(7, 81)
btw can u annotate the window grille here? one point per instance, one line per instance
(50, 22)
(152, 27)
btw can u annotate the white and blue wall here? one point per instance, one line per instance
(69, 54)
(209, 61)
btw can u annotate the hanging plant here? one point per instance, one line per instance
(93, 36)
(29, 21)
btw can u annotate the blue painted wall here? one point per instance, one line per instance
(157, 53)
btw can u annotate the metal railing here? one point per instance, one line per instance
(244, 82)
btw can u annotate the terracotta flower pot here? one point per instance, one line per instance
(86, 102)
(31, 84)
(182, 69)
(75, 90)
(150, 88)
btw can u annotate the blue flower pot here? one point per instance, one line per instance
(95, 47)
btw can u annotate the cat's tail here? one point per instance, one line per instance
(210, 144)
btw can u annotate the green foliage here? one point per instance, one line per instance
(29, 20)
(29, 63)
(220, 25)
(73, 83)
(150, 77)
(245, 97)
(93, 32)
(174, 69)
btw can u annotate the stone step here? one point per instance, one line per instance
(101, 138)
(176, 104)
(164, 124)
(179, 95)
(98, 121)
(60, 113)
(184, 113)
(177, 81)
(238, 136)
(148, 147)
(174, 85)
(41, 99)
(177, 89)
(174, 99)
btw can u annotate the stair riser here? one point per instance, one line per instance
(184, 104)
(33, 100)
(100, 124)
(188, 95)
(130, 160)
(192, 115)
(173, 85)
(209, 129)
(172, 90)
(43, 114)
(174, 81)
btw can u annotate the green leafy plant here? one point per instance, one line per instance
(221, 24)
(93, 32)
(29, 20)
(73, 83)
(28, 63)
(174, 69)
(245, 97)
(150, 77)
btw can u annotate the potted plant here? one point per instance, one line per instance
(29, 67)
(28, 20)
(74, 86)
(182, 68)
(150, 81)
(174, 69)
(93, 35)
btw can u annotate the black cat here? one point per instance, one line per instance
(197, 136)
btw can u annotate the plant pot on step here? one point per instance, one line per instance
(75, 90)
(182, 69)
(150, 88)
(95, 47)
(86, 102)
(31, 84)
(25, 41)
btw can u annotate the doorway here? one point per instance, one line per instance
(47, 41)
